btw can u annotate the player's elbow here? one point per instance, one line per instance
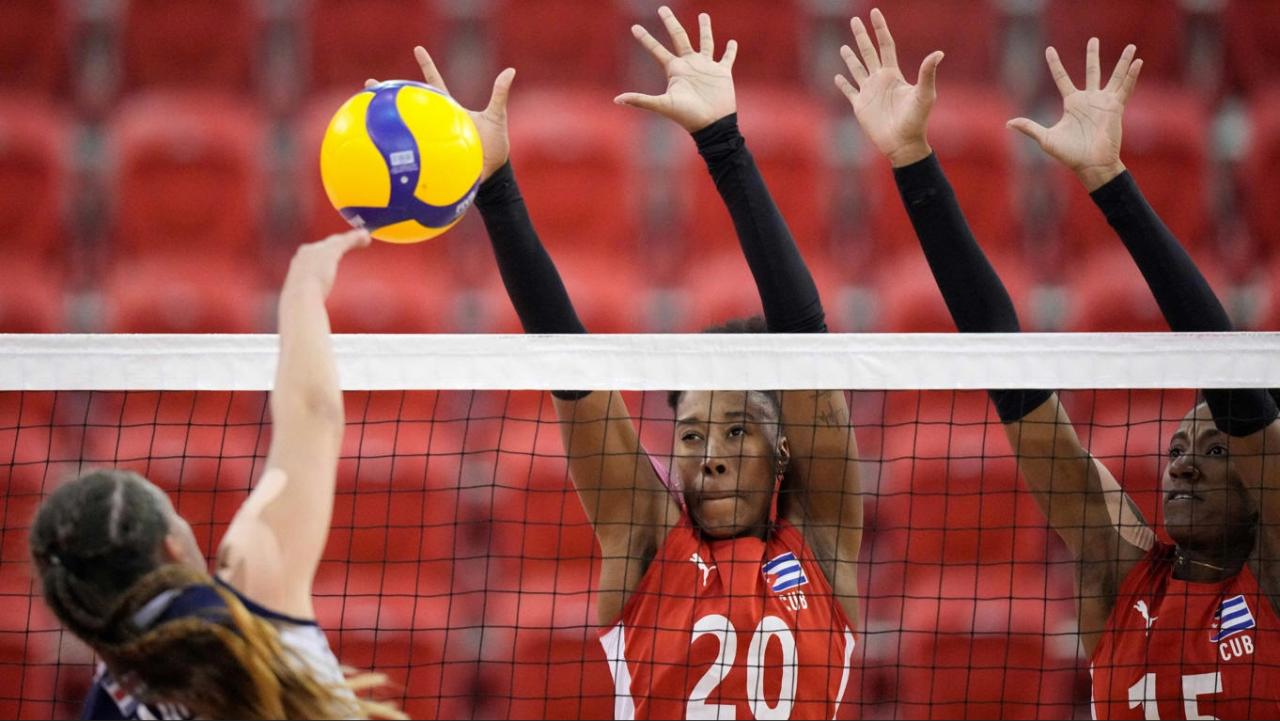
(322, 409)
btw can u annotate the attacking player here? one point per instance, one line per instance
(1187, 630)
(729, 589)
(122, 570)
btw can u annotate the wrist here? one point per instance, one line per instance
(1096, 176)
(909, 153)
(718, 139)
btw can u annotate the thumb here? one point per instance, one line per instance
(927, 81)
(501, 91)
(1029, 128)
(640, 100)
(357, 238)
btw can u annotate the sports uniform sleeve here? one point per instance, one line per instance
(787, 291)
(529, 275)
(99, 705)
(1184, 296)
(977, 300)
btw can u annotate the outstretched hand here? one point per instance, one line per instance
(699, 87)
(893, 113)
(491, 122)
(1087, 137)
(318, 262)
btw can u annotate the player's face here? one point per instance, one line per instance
(1205, 502)
(726, 459)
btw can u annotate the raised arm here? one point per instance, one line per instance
(823, 498)
(1081, 500)
(1088, 142)
(275, 541)
(625, 500)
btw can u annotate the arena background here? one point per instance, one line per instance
(158, 164)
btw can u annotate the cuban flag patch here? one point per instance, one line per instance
(784, 573)
(1233, 617)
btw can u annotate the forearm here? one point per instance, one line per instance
(974, 294)
(306, 373)
(787, 291)
(530, 277)
(1182, 292)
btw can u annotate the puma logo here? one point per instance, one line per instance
(706, 570)
(1141, 607)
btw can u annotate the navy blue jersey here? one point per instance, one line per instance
(110, 701)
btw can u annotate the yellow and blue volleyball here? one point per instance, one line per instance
(401, 159)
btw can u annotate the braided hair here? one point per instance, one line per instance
(97, 546)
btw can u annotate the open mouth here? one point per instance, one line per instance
(1182, 496)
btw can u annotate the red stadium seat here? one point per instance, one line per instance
(1157, 27)
(562, 42)
(1108, 293)
(908, 299)
(977, 154)
(400, 455)
(720, 288)
(394, 289)
(786, 131)
(576, 163)
(189, 177)
(190, 43)
(958, 499)
(962, 676)
(351, 40)
(182, 295)
(29, 442)
(771, 35)
(560, 674)
(1258, 170)
(923, 26)
(32, 299)
(35, 155)
(987, 642)
(1166, 147)
(1249, 30)
(403, 526)
(609, 293)
(34, 40)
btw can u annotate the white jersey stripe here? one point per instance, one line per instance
(849, 643)
(615, 650)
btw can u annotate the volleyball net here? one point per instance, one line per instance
(461, 563)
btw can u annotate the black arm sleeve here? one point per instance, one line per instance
(527, 271)
(1184, 296)
(787, 292)
(973, 292)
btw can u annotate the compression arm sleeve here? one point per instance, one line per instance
(1184, 296)
(528, 273)
(973, 292)
(533, 284)
(787, 292)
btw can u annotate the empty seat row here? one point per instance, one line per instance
(194, 176)
(241, 44)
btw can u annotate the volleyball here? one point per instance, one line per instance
(401, 159)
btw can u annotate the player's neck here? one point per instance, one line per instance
(1207, 566)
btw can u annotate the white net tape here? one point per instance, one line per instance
(656, 362)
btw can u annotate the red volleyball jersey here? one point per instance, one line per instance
(730, 629)
(1179, 650)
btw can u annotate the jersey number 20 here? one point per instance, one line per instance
(770, 627)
